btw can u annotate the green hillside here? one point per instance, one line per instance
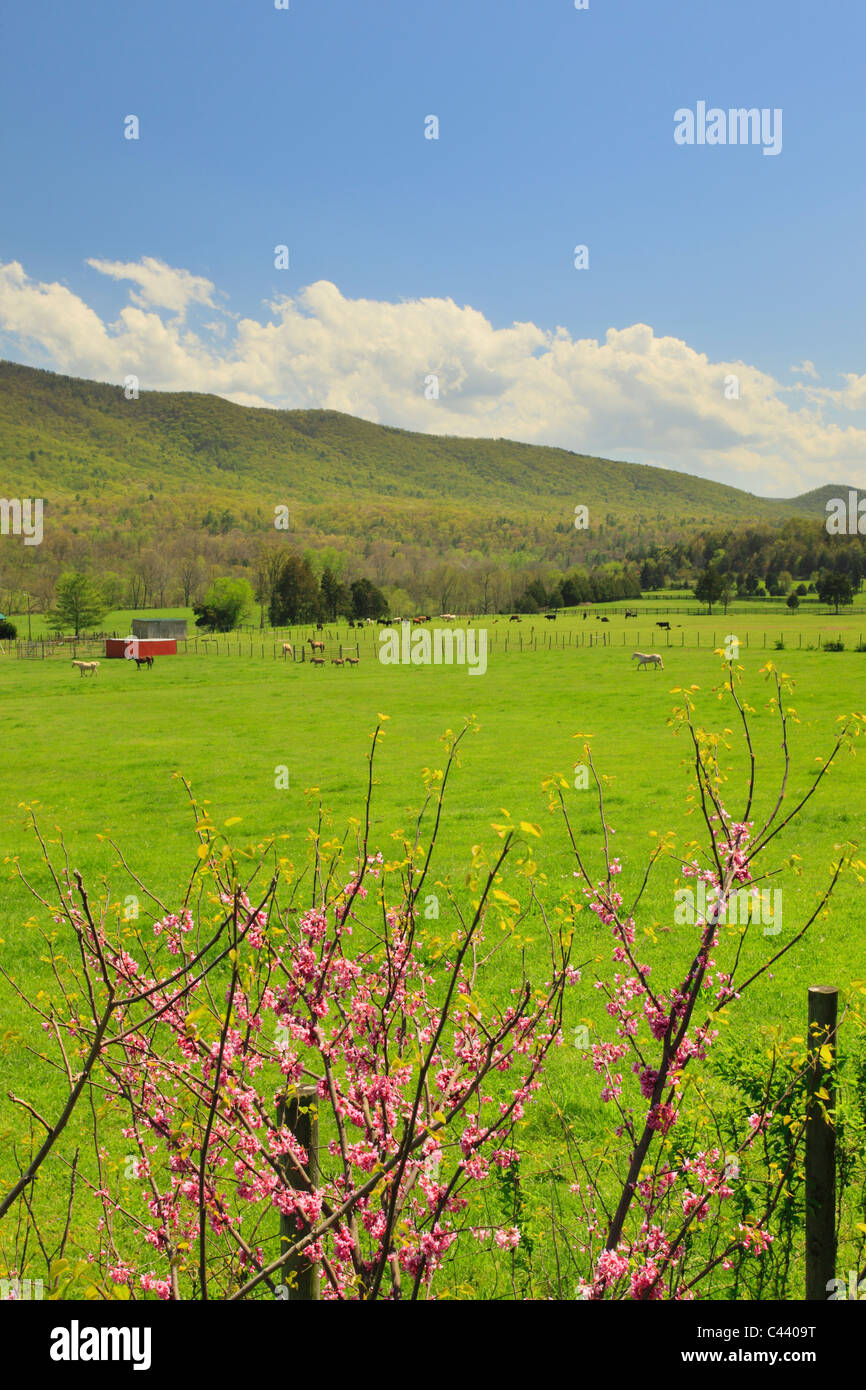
(61, 437)
(814, 503)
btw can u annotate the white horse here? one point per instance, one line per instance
(288, 649)
(647, 659)
(87, 668)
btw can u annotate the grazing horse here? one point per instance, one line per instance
(317, 661)
(630, 613)
(515, 618)
(288, 649)
(551, 617)
(87, 668)
(352, 660)
(337, 661)
(605, 620)
(666, 626)
(143, 661)
(647, 659)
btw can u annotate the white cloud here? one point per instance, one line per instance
(161, 286)
(633, 395)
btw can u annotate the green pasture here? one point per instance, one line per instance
(96, 757)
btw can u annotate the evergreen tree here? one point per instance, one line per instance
(296, 596)
(78, 603)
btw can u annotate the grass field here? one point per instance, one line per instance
(96, 757)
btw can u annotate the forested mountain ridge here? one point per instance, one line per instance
(157, 496)
(62, 435)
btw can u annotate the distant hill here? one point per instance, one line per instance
(814, 503)
(61, 436)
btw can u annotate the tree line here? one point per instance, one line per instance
(294, 582)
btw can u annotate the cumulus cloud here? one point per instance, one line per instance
(160, 285)
(632, 395)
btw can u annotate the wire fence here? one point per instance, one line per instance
(338, 642)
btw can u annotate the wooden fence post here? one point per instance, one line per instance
(821, 1143)
(300, 1113)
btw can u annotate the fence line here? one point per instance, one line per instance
(357, 641)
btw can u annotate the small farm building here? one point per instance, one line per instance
(159, 627)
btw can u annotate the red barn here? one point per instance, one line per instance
(140, 646)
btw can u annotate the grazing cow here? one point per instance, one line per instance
(87, 668)
(551, 617)
(666, 626)
(288, 649)
(352, 660)
(143, 661)
(630, 613)
(316, 646)
(317, 661)
(647, 659)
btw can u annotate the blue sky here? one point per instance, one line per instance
(411, 257)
